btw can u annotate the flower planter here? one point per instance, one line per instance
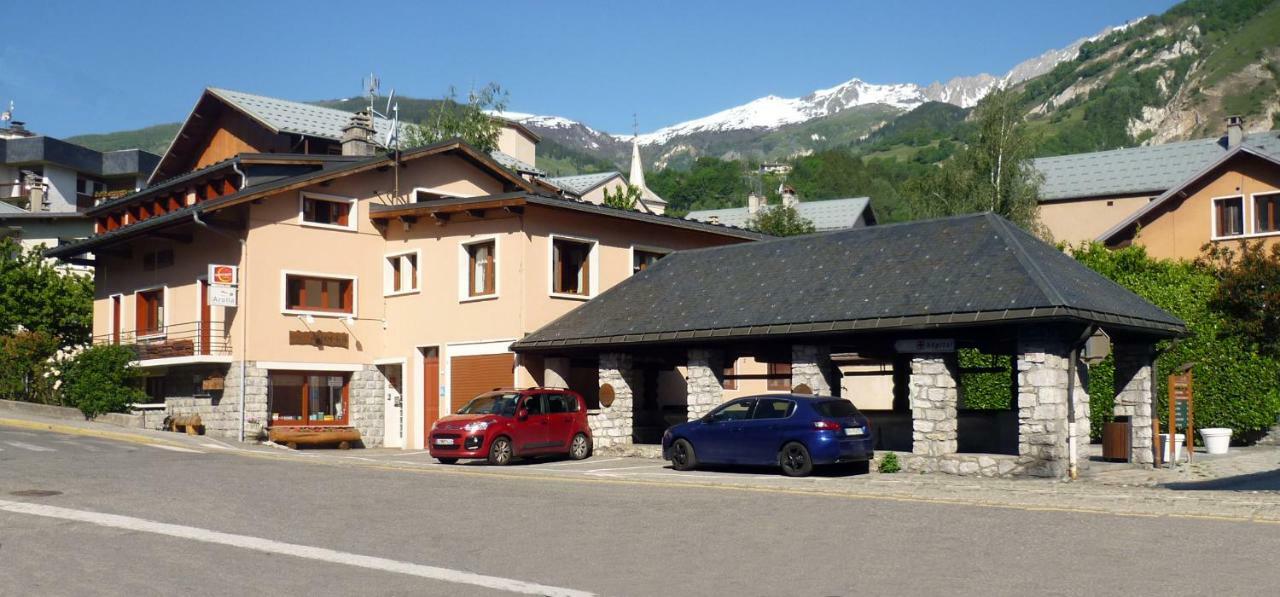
(1177, 452)
(1217, 440)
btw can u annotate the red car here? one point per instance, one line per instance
(506, 424)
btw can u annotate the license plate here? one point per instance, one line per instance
(444, 441)
(854, 431)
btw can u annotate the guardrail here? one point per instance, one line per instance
(186, 339)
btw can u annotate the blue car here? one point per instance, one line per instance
(786, 430)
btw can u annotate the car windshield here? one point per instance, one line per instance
(493, 403)
(836, 409)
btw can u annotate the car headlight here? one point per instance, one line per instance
(476, 426)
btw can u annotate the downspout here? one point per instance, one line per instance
(244, 326)
(1072, 442)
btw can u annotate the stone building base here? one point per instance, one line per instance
(976, 465)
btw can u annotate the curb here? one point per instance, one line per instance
(85, 431)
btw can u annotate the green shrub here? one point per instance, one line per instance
(101, 379)
(985, 380)
(889, 463)
(27, 373)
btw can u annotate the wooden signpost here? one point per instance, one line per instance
(1181, 412)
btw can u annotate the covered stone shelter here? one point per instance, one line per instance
(907, 294)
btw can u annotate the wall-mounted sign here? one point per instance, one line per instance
(213, 383)
(222, 296)
(606, 395)
(224, 275)
(330, 339)
(925, 345)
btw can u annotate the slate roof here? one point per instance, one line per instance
(7, 208)
(1138, 170)
(928, 274)
(829, 214)
(581, 184)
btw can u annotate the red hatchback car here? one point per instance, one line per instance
(506, 424)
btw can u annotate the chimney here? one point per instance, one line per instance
(358, 136)
(1235, 131)
(789, 198)
(713, 220)
(754, 202)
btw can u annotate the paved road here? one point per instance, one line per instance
(132, 519)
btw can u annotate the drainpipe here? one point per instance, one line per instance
(1072, 442)
(244, 304)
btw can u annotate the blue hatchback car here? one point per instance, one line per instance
(794, 432)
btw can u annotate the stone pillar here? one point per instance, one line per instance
(1083, 422)
(1042, 405)
(366, 397)
(220, 413)
(1133, 384)
(933, 397)
(612, 425)
(705, 379)
(811, 366)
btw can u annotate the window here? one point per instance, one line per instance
(773, 408)
(310, 293)
(535, 405)
(307, 398)
(333, 212)
(150, 312)
(779, 377)
(1266, 213)
(1228, 216)
(481, 273)
(155, 260)
(729, 380)
(734, 411)
(641, 260)
(571, 267)
(401, 274)
(836, 409)
(561, 403)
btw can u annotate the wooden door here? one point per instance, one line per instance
(430, 389)
(115, 319)
(205, 317)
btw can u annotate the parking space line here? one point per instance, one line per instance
(31, 447)
(572, 462)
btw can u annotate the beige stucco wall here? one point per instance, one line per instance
(1184, 227)
(1082, 220)
(596, 195)
(514, 143)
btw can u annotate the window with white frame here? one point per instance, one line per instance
(320, 295)
(643, 259)
(327, 211)
(1266, 213)
(1228, 217)
(571, 266)
(481, 269)
(401, 274)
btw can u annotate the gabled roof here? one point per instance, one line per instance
(932, 274)
(826, 215)
(1138, 170)
(1150, 210)
(582, 184)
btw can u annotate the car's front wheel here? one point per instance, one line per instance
(795, 461)
(448, 460)
(682, 456)
(501, 452)
(580, 447)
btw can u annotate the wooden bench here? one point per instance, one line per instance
(315, 435)
(189, 423)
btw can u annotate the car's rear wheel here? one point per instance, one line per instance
(795, 461)
(682, 456)
(580, 447)
(501, 452)
(448, 460)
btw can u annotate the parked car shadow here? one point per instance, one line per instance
(1265, 481)
(834, 470)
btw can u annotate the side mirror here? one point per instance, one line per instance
(522, 414)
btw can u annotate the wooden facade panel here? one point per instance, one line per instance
(471, 376)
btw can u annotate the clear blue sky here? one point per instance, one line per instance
(80, 67)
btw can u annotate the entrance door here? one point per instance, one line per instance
(205, 317)
(430, 389)
(393, 414)
(115, 318)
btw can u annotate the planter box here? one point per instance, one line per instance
(317, 435)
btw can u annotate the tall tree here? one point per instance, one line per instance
(36, 296)
(780, 220)
(992, 173)
(472, 122)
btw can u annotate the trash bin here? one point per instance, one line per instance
(1115, 440)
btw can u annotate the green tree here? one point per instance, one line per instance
(26, 367)
(1248, 292)
(35, 295)
(470, 122)
(101, 379)
(780, 220)
(992, 173)
(623, 198)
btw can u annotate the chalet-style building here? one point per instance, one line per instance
(1096, 196)
(375, 291)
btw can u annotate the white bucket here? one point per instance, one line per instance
(1216, 439)
(1177, 452)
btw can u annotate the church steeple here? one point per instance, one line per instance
(649, 200)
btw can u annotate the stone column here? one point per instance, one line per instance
(1042, 405)
(224, 419)
(1133, 384)
(612, 425)
(811, 366)
(705, 379)
(1083, 422)
(933, 397)
(366, 397)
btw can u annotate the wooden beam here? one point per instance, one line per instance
(440, 218)
(408, 221)
(476, 213)
(514, 209)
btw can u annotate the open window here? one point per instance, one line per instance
(1266, 213)
(150, 312)
(327, 211)
(571, 269)
(481, 269)
(1228, 217)
(400, 274)
(643, 259)
(319, 295)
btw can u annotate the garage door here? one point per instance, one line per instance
(474, 375)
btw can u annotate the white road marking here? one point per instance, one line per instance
(32, 447)
(290, 549)
(572, 462)
(174, 448)
(216, 446)
(625, 468)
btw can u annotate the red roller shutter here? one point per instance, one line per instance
(474, 375)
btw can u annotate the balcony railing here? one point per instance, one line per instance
(186, 339)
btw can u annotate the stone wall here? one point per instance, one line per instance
(933, 396)
(1133, 397)
(1043, 429)
(611, 426)
(366, 397)
(705, 379)
(811, 366)
(220, 410)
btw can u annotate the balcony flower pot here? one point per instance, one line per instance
(1217, 440)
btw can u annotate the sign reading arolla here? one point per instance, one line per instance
(925, 345)
(222, 296)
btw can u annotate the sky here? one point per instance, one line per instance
(88, 67)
